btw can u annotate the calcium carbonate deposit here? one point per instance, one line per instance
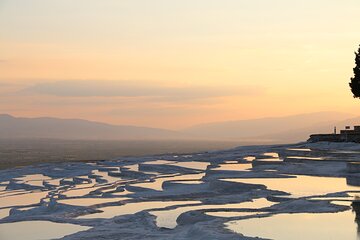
(300, 191)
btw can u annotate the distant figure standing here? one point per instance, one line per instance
(335, 130)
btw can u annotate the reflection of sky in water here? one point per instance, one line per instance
(35, 230)
(299, 226)
(190, 164)
(342, 203)
(346, 201)
(89, 201)
(302, 185)
(157, 184)
(193, 165)
(168, 218)
(4, 213)
(300, 149)
(305, 158)
(233, 214)
(271, 154)
(231, 162)
(159, 162)
(269, 160)
(22, 199)
(189, 182)
(270, 227)
(249, 158)
(234, 167)
(132, 208)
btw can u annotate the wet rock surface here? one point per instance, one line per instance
(178, 196)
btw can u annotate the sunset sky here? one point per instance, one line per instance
(176, 63)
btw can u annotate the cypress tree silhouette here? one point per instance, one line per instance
(355, 81)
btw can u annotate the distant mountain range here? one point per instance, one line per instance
(266, 130)
(293, 128)
(13, 127)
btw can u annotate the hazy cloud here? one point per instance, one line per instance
(4, 84)
(81, 88)
(147, 111)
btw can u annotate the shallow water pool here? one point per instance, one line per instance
(131, 208)
(167, 219)
(299, 226)
(36, 230)
(302, 185)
